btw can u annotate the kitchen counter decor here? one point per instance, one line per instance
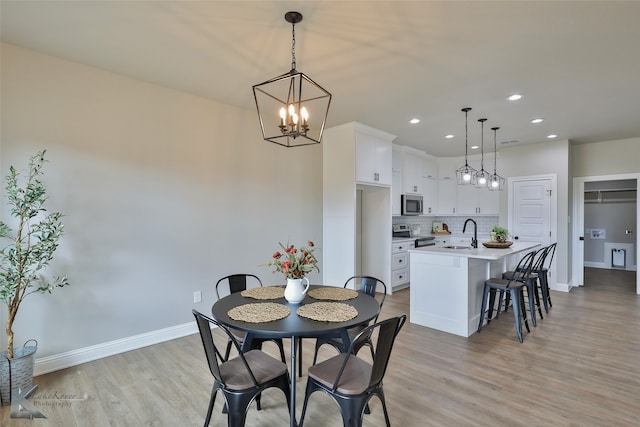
(327, 311)
(264, 292)
(497, 245)
(333, 294)
(259, 312)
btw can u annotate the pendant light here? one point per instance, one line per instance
(482, 176)
(292, 108)
(466, 175)
(496, 182)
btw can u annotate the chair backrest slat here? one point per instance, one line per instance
(551, 251)
(369, 286)
(539, 257)
(387, 332)
(214, 357)
(523, 269)
(236, 282)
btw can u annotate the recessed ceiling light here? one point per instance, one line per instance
(474, 147)
(449, 136)
(538, 120)
(552, 136)
(414, 121)
(514, 97)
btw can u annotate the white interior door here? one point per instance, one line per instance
(531, 212)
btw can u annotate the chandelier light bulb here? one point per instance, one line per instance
(305, 115)
(467, 176)
(283, 116)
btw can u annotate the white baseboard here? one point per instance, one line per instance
(608, 266)
(67, 359)
(593, 264)
(562, 287)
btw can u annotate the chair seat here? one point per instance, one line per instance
(513, 274)
(263, 366)
(503, 283)
(354, 380)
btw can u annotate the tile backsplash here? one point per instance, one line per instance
(455, 223)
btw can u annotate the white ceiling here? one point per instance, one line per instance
(577, 64)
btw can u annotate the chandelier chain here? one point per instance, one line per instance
(293, 46)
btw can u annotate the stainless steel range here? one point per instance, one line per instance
(404, 230)
(425, 241)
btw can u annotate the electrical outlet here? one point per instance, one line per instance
(197, 296)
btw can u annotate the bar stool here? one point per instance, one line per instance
(543, 274)
(531, 283)
(513, 287)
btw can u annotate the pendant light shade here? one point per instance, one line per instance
(292, 108)
(466, 175)
(482, 176)
(496, 182)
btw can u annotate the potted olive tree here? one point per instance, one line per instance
(500, 233)
(24, 254)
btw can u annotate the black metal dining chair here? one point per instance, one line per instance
(369, 286)
(351, 381)
(241, 379)
(238, 283)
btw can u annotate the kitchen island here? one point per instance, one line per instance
(447, 283)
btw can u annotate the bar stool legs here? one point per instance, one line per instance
(516, 294)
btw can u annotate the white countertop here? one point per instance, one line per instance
(480, 253)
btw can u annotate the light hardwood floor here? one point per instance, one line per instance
(579, 367)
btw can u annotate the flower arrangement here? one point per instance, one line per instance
(294, 263)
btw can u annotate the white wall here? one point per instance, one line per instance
(542, 159)
(163, 192)
(605, 158)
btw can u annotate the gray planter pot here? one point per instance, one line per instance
(16, 373)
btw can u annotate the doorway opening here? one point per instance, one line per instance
(605, 225)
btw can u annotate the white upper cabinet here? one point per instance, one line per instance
(447, 196)
(429, 167)
(478, 201)
(396, 180)
(412, 170)
(373, 156)
(447, 186)
(430, 196)
(430, 184)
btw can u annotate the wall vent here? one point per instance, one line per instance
(511, 141)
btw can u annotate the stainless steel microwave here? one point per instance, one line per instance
(411, 204)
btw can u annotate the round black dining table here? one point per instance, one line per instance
(293, 326)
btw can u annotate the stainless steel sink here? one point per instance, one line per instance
(456, 247)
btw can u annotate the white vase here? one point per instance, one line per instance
(295, 290)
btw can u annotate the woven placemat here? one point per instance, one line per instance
(264, 292)
(259, 312)
(327, 311)
(333, 294)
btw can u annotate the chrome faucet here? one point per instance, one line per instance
(474, 241)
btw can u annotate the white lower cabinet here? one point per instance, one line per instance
(400, 263)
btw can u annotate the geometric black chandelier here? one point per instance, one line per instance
(466, 175)
(496, 182)
(292, 108)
